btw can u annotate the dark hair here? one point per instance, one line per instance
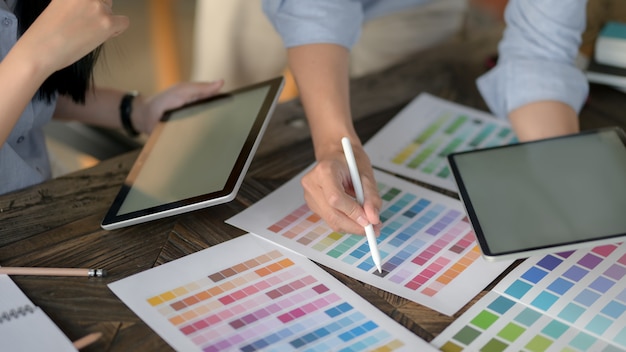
(73, 80)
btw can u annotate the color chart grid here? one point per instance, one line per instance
(569, 301)
(428, 250)
(268, 300)
(416, 142)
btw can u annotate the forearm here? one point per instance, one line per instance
(321, 72)
(543, 119)
(25, 77)
(101, 108)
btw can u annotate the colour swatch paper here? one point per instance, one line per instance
(248, 294)
(428, 249)
(569, 301)
(416, 142)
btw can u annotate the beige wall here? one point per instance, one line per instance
(129, 61)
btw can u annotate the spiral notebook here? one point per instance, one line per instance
(24, 326)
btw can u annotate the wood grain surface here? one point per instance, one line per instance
(57, 223)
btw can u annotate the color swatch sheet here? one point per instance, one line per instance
(570, 301)
(24, 326)
(248, 294)
(416, 142)
(428, 249)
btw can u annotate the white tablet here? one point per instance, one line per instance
(197, 156)
(550, 195)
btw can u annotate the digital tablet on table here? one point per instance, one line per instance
(196, 157)
(544, 196)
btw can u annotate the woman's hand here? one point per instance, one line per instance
(147, 112)
(329, 192)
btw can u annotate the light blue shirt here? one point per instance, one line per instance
(301, 22)
(23, 157)
(537, 56)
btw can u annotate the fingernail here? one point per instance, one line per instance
(362, 221)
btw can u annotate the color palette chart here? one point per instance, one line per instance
(416, 142)
(428, 250)
(248, 294)
(569, 301)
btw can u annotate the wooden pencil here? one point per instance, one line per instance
(87, 340)
(52, 271)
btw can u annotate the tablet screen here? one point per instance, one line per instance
(196, 154)
(537, 195)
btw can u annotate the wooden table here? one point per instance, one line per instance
(56, 224)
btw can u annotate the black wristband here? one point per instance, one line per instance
(126, 109)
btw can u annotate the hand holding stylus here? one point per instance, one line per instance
(358, 190)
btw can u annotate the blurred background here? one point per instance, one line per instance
(154, 53)
(170, 41)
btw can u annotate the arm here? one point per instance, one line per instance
(321, 72)
(535, 82)
(318, 35)
(66, 31)
(14, 97)
(102, 106)
(543, 119)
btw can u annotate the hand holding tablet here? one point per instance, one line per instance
(196, 157)
(545, 196)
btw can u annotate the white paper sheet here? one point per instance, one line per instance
(249, 294)
(569, 301)
(416, 142)
(427, 246)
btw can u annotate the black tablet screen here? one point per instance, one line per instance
(546, 193)
(195, 151)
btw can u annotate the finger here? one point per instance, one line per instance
(318, 203)
(336, 196)
(377, 228)
(204, 90)
(372, 201)
(348, 206)
(337, 221)
(194, 91)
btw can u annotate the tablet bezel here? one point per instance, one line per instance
(113, 221)
(525, 252)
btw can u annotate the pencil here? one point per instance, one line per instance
(87, 340)
(358, 189)
(52, 271)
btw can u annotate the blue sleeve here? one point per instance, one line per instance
(302, 22)
(537, 56)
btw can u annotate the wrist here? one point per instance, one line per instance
(328, 141)
(127, 110)
(332, 146)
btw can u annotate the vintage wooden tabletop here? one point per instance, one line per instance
(57, 224)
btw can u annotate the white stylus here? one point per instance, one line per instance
(358, 190)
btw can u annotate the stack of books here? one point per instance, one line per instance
(608, 65)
